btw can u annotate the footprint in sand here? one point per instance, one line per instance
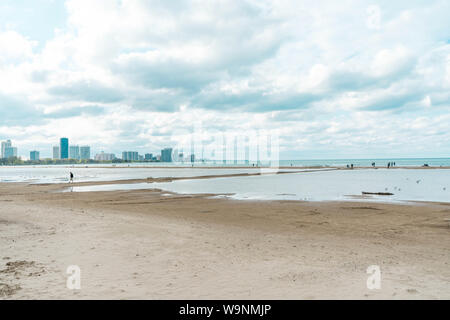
(7, 290)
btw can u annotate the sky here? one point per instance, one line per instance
(331, 79)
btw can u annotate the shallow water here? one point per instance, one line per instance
(405, 184)
(58, 174)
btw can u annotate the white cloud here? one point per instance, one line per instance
(14, 47)
(391, 61)
(373, 17)
(325, 74)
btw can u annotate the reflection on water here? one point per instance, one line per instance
(405, 184)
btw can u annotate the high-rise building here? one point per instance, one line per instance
(148, 157)
(10, 152)
(192, 157)
(64, 148)
(5, 144)
(34, 155)
(166, 155)
(85, 152)
(74, 152)
(105, 156)
(56, 153)
(130, 156)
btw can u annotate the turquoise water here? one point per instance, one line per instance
(434, 162)
(399, 162)
(405, 162)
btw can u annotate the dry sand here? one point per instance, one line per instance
(146, 244)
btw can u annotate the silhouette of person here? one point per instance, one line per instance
(71, 177)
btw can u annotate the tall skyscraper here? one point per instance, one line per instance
(130, 156)
(74, 152)
(148, 156)
(85, 152)
(10, 152)
(166, 155)
(64, 148)
(34, 155)
(56, 152)
(5, 144)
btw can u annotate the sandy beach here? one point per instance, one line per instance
(148, 244)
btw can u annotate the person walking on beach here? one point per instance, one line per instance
(71, 177)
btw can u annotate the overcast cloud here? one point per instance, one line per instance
(335, 78)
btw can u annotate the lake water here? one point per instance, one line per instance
(58, 174)
(405, 184)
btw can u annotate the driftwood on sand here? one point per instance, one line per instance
(378, 193)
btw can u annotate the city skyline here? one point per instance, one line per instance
(165, 154)
(76, 152)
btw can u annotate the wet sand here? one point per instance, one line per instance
(148, 244)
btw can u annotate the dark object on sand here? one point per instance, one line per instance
(378, 193)
(426, 165)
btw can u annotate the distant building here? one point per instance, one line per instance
(74, 152)
(130, 156)
(56, 153)
(10, 152)
(85, 152)
(64, 148)
(105, 156)
(5, 144)
(192, 157)
(166, 155)
(34, 155)
(148, 157)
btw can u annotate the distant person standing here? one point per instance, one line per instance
(389, 164)
(71, 177)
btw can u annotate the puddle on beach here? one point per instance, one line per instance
(404, 184)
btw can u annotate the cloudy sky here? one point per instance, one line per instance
(333, 79)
